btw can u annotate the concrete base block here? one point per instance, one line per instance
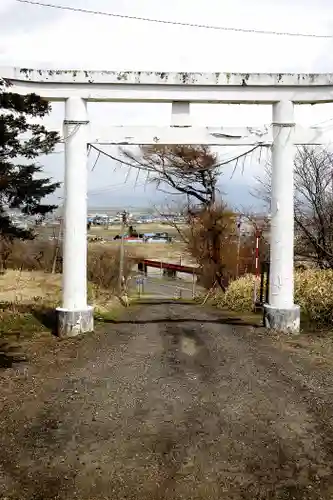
(283, 320)
(71, 323)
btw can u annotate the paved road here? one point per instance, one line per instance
(162, 287)
(174, 402)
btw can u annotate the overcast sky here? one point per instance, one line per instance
(33, 36)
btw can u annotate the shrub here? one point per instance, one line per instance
(313, 292)
(33, 255)
(239, 294)
(213, 240)
(103, 266)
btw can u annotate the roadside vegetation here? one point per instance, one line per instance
(313, 218)
(313, 292)
(30, 284)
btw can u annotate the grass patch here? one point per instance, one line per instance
(28, 300)
(106, 316)
(245, 318)
(28, 327)
(19, 324)
(28, 321)
(23, 287)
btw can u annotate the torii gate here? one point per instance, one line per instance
(281, 91)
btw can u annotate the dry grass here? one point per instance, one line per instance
(313, 292)
(171, 252)
(29, 292)
(28, 300)
(166, 252)
(44, 256)
(25, 287)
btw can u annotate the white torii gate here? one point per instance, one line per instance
(77, 88)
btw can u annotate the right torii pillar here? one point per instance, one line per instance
(281, 313)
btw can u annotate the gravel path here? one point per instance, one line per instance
(175, 402)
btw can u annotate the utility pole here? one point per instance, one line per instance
(193, 285)
(239, 224)
(58, 239)
(257, 242)
(122, 251)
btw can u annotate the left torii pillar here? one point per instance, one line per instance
(75, 316)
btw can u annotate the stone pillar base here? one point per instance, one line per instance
(283, 320)
(71, 323)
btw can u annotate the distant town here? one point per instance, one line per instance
(112, 218)
(107, 219)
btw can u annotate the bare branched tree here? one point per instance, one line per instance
(313, 202)
(187, 170)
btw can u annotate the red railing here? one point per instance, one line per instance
(171, 267)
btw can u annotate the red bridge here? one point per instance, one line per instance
(172, 268)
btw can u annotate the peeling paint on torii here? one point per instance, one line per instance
(151, 86)
(155, 77)
(76, 87)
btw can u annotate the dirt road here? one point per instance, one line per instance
(174, 402)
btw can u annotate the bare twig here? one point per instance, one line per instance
(313, 202)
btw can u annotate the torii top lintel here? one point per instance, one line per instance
(152, 86)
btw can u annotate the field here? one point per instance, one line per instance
(109, 232)
(113, 230)
(168, 252)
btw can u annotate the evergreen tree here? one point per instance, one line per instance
(22, 185)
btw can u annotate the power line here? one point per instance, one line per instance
(175, 23)
(106, 189)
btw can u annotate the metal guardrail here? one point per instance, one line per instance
(160, 285)
(144, 264)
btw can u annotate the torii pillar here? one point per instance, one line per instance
(281, 313)
(75, 316)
